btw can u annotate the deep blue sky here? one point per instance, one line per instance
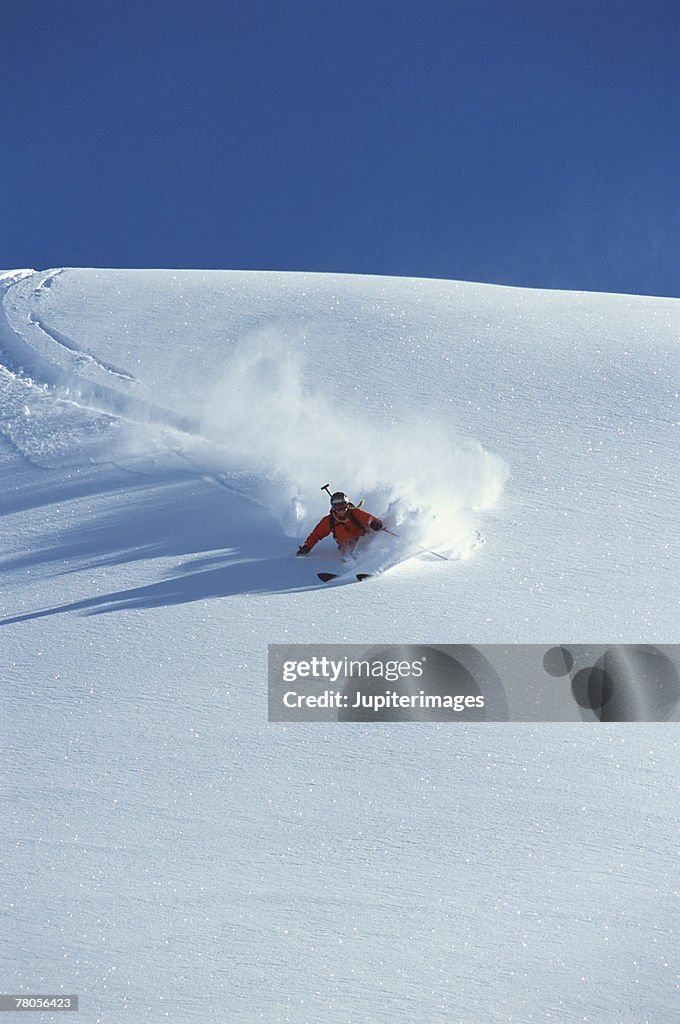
(531, 142)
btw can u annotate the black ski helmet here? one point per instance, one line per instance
(339, 498)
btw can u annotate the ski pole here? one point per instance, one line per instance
(428, 550)
(326, 487)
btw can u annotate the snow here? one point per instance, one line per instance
(168, 853)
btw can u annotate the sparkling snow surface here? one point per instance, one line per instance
(167, 854)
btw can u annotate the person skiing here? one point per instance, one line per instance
(345, 522)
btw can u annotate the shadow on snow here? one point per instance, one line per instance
(225, 545)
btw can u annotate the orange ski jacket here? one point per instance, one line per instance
(345, 530)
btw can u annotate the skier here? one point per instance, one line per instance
(345, 522)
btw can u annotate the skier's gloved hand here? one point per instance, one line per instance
(303, 550)
(376, 524)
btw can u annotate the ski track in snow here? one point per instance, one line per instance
(83, 357)
(42, 368)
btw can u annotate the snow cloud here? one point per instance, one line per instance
(270, 418)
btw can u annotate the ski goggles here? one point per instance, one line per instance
(340, 506)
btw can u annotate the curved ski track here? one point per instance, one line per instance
(38, 362)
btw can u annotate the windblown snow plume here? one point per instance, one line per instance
(426, 482)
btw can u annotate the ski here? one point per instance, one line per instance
(325, 577)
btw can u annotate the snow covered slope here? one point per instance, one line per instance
(164, 438)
